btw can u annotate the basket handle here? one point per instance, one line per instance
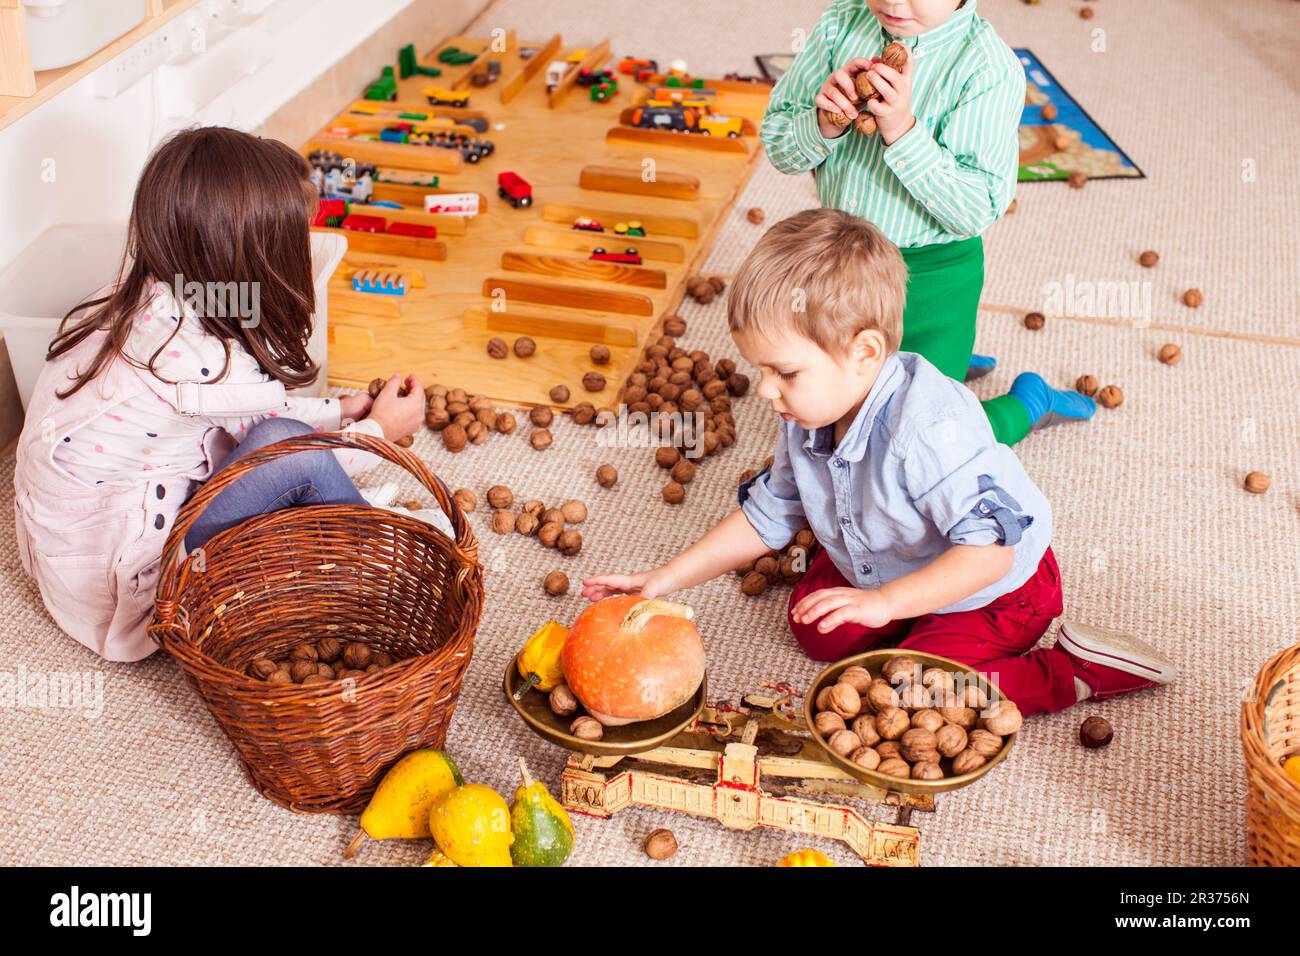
(464, 548)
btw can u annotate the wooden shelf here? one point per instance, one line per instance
(49, 83)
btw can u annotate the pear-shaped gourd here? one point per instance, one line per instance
(399, 809)
(539, 660)
(543, 831)
(471, 824)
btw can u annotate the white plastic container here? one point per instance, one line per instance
(62, 32)
(67, 263)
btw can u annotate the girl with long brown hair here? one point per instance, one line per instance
(147, 388)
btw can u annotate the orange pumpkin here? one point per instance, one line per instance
(628, 658)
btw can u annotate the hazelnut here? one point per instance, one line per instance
(881, 696)
(549, 533)
(927, 770)
(606, 476)
(984, 743)
(541, 416)
(865, 757)
(562, 701)
(328, 649)
(1149, 258)
(901, 670)
(1048, 112)
(569, 542)
(1110, 396)
(1077, 179)
(844, 742)
(527, 523)
(674, 493)
(497, 348)
(1193, 298)
(950, 740)
(683, 472)
(968, 761)
(755, 215)
(505, 423)
(593, 382)
(892, 723)
(1257, 482)
(454, 438)
(305, 652)
(844, 700)
(1086, 385)
(1096, 732)
(587, 728)
(859, 677)
(560, 394)
(503, 521)
(556, 583)
(499, 496)
(828, 722)
(864, 726)
(1171, 354)
(465, 499)
(737, 384)
(660, 844)
(666, 456)
(540, 439)
(1035, 321)
(356, 655)
(600, 354)
(1002, 718)
(524, 346)
(574, 511)
(895, 767)
(963, 717)
(927, 719)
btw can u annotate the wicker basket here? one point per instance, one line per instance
(356, 573)
(1270, 731)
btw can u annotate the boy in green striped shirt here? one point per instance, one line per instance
(940, 169)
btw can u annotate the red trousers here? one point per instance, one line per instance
(995, 639)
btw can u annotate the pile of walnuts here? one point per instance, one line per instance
(786, 566)
(704, 290)
(564, 703)
(912, 723)
(533, 518)
(320, 662)
(463, 419)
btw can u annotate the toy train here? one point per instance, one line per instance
(628, 256)
(514, 189)
(686, 119)
(471, 150)
(338, 214)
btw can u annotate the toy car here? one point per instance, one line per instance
(440, 96)
(452, 204)
(633, 228)
(587, 225)
(455, 56)
(716, 124)
(555, 73)
(628, 257)
(639, 68)
(514, 189)
(603, 91)
(384, 88)
(676, 119)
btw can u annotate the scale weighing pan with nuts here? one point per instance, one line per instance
(747, 765)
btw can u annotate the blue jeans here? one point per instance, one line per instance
(305, 478)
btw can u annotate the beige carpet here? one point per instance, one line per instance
(1154, 531)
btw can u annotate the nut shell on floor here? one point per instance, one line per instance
(541, 439)
(1035, 320)
(1087, 385)
(1170, 354)
(1110, 396)
(606, 476)
(556, 583)
(660, 844)
(524, 346)
(1149, 259)
(1257, 482)
(1193, 298)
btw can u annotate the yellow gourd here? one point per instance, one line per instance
(471, 825)
(1291, 767)
(539, 661)
(807, 858)
(437, 858)
(399, 809)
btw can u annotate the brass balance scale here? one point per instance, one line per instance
(750, 765)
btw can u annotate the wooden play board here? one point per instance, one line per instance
(508, 272)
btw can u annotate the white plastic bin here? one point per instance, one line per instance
(67, 263)
(62, 32)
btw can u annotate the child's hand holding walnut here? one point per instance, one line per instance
(893, 107)
(838, 96)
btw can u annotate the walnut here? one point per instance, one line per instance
(553, 515)
(562, 700)
(1257, 482)
(1096, 732)
(1170, 354)
(541, 416)
(753, 583)
(488, 417)
(587, 728)
(466, 499)
(574, 511)
(927, 770)
(497, 348)
(865, 757)
(675, 325)
(919, 745)
(914, 697)
(503, 521)
(549, 533)
(454, 438)
(892, 723)
(888, 749)
(836, 118)
(1149, 258)
(828, 722)
(1077, 179)
(437, 418)
(936, 678)
(499, 496)
(1086, 385)
(356, 655)
(312, 679)
(881, 696)
(534, 506)
(667, 456)
(895, 766)
(674, 493)
(325, 670)
(540, 439)
(1002, 718)
(584, 413)
(927, 719)
(859, 677)
(901, 670)
(725, 368)
(593, 382)
(683, 472)
(560, 394)
(983, 742)
(280, 676)
(569, 542)
(556, 583)
(375, 387)
(864, 726)
(844, 700)
(600, 354)
(1048, 112)
(1110, 397)
(381, 658)
(770, 569)
(823, 701)
(660, 844)
(406, 441)
(527, 524)
(950, 740)
(524, 346)
(457, 395)
(435, 391)
(505, 423)
(972, 695)
(843, 742)
(263, 668)
(737, 384)
(328, 649)
(606, 476)
(476, 432)
(963, 717)
(968, 761)
(305, 652)
(755, 215)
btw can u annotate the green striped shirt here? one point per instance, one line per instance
(954, 173)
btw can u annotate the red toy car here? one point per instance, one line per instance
(514, 189)
(629, 257)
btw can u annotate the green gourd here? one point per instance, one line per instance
(543, 831)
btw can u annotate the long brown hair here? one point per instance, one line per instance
(214, 205)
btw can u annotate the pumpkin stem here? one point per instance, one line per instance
(635, 620)
(523, 772)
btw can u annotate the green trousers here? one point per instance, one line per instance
(944, 282)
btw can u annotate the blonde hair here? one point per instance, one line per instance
(823, 274)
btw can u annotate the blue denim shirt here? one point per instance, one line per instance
(917, 471)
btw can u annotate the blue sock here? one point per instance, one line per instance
(980, 365)
(1048, 406)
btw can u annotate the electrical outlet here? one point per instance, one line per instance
(139, 61)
